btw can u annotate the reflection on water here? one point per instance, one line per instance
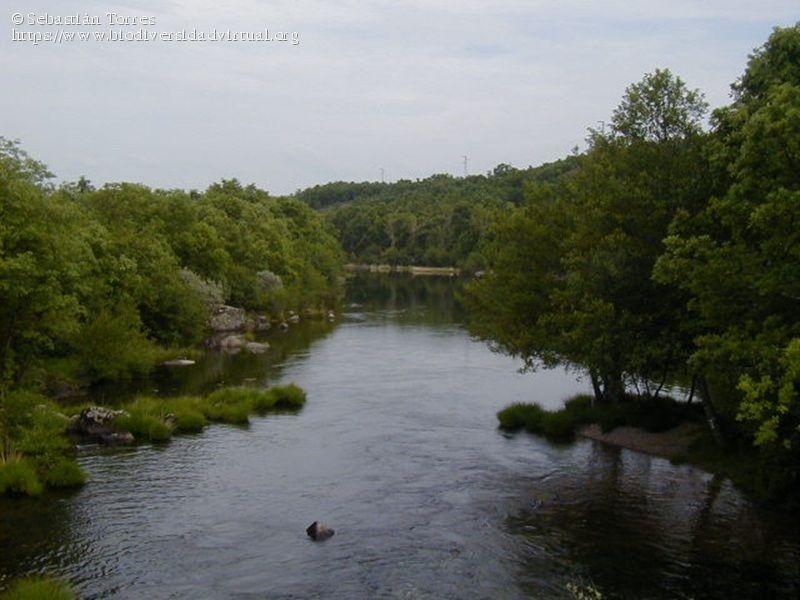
(398, 449)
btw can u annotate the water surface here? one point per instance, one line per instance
(398, 449)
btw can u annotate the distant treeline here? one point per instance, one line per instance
(92, 280)
(437, 221)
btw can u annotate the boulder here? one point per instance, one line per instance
(228, 318)
(178, 362)
(319, 531)
(293, 319)
(261, 323)
(331, 315)
(96, 424)
(256, 347)
(283, 326)
(232, 342)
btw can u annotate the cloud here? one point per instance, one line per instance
(408, 86)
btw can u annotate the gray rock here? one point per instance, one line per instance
(283, 326)
(294, 319)
(256, 347)
(319, 531)
(228, 318)
(232, 342)
(178, 362)
(261, 323)
(96, 424)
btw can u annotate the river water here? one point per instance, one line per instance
(398, 449)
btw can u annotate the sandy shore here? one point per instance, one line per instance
(666, 444)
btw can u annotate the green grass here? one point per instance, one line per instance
(144, 425)
(18, 477)
(290, 396)
(38, 588)
(65, 473)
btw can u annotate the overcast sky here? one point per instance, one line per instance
(407, 86)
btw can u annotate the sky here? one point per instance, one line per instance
(407, 86)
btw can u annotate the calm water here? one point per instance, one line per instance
(398, 449)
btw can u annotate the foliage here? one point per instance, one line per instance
(18, 477)
(38, 588)
(437, 221)
(35, 449)
(103, 274)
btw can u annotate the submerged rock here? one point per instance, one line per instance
(256, 347)
(178, 362)
(228, 318)
(319, 531)
(96, 424)
(261, 323)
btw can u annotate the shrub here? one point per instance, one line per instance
(521, 415)
(18, 477)
(65, 473)
(560, 425)
(38, 588)
(113, 346)
(289, 396)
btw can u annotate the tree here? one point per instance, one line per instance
(572, 269)
(739, 257)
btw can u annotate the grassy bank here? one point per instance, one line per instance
(36, 453)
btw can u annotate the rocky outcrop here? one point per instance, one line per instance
(96, 424)
(228, 318)
(319, 531)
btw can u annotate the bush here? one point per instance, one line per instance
(289, 396)
(18, 477)
(113, 346)
(521, 415)
(65, 473)
(38, 588)
(264, 400)
(560, 425)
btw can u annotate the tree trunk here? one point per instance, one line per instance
(598, 391)
(711, 413)
(691, 390)
(614, 390)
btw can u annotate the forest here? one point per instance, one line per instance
(96, 283)
(437, 222)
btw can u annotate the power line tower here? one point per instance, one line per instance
(383, 175)
(465, 165)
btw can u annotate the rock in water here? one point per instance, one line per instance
(319, 531)
(96, 424)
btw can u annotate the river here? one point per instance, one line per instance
(398, 449)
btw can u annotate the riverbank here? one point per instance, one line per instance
(409, 269)
(674, 443)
